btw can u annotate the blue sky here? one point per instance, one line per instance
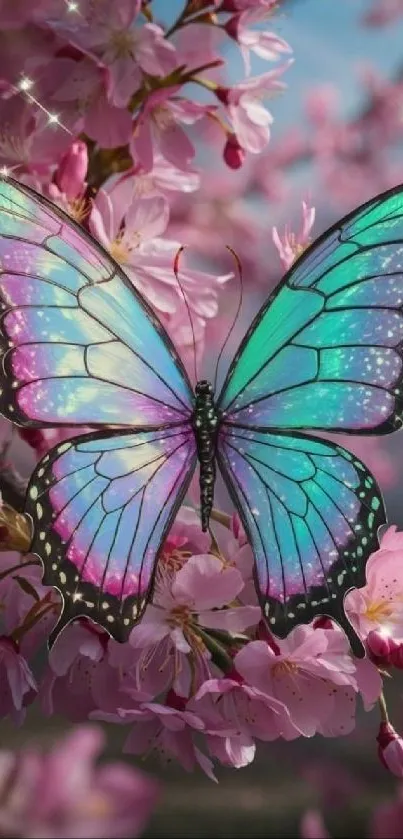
(329, 44)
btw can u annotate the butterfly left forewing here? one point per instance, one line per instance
(101, 505)
(311, 511)
(79, 344)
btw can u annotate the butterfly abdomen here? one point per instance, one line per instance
(205, 422)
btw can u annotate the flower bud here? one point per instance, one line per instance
(390, 749)
(323, 623)
(232, 27)
(72, 170)
(234, 154)
(222, 93)
(378, 644)
(385, 650)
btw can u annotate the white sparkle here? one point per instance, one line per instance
(25, 84)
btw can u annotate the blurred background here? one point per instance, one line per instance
(336, 141)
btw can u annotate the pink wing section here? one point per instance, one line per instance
(80, 345)
(102, 505)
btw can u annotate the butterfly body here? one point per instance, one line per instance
(205, 424)
(80, 346)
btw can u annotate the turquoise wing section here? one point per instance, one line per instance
(311, 511)
(325, 352)
(79, 344)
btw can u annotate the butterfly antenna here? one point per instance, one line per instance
(176, 272)
(236, 316)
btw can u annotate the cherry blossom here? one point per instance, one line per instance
(378, 606)
(249, 118)
(290, 246)
(266, 45)
(63, 793)
(309, 659)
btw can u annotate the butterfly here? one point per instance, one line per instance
(80, 346)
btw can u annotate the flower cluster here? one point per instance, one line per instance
(96, 112)
(201, 679)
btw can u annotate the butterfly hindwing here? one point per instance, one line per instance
(101, 505)
(325, 352)
(312, 512)
(80, 345)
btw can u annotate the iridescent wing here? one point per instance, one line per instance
(102, 504)
(80, 345)
(312, 511)
(324, 353)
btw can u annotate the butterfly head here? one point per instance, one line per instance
(203, 388)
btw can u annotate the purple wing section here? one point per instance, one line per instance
(312, 511)
(101, 505)
(80, 345)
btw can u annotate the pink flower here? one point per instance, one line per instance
(164, 177)
(291, 245)
(313, 675)
(266, 45)
(18, 685)
(237, 552)
(390, 749)
(63, 793)
(131, 673)
(68, 683)
(378, 605)
(109, 34)
(167, 729)
(28, 146)
(198, 45)
(257, 714)
(80, 90)
(30, 608)
(184, 606)
(157, 127)
(236, 750)
(249, 118)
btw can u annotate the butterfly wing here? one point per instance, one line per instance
(80, 345)
(325, 352)
(101, 504)
(312, 511)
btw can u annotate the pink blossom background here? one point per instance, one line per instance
(295, 118)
